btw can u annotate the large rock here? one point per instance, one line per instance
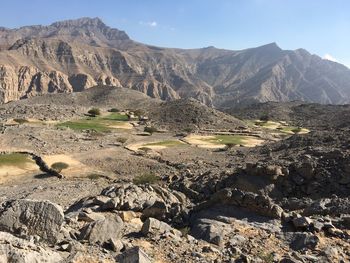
(13, 249)
(30, 217)
(259, 204)
(134, 255)
(155, 201)
(154, 226)
(209, 230)
(102, 231)
(301, 241)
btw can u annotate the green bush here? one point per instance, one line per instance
(229, 146)
(20, 121)
(94, 112)
(265, 117)
(150, 129)
(139, 113)
(122, 139)
(145, 149)
(114, 110)
(297, 130)
(148, 178)
(59, 166)
(94, 176)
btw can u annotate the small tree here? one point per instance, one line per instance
(94, 112)
(147, 178)
(229, 146)
(122, 139)
(59, 166)
(265, 117)
(150, 129)
(20, 121)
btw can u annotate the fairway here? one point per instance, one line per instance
(15, 159)
(100, 124)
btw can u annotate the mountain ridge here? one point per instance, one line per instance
(76, 54)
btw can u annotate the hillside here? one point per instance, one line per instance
(74, 55)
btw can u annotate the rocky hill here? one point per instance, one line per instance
(74, 55)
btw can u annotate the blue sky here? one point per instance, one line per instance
(320, 26)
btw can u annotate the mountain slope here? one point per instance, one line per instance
(74, 55)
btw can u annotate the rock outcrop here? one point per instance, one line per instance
(32, 218)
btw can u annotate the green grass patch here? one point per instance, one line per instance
(80, 125)
(227, 139)
(15, 159)
(115, 117)
(148, 178)
(168, 143)
(98, 124)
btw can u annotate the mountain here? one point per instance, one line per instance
(74, 55)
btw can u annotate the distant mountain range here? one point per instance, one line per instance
(75, 55)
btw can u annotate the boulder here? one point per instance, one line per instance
(301, 241)
(157, 210)
(13, 249)
(134, 255)
(102, 231)
(31, 217)
(154, 226)
(209, 230)
(302, 222)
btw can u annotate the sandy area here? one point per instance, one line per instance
(122, 125)
(75, 168)
(7, 172)
(201, 141)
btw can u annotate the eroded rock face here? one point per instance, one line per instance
(101, 231)
(32, 218)
(28, 81)
(13, 249)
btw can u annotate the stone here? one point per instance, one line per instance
(302, 222)
(158, 210)
(90, 217)
(302, 241)
(128, 216)
(209, 230)
(116, 244)
(154, 226)
(102, 231)
(31, 217)
(134, 255)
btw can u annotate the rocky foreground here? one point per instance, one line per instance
(286, 200)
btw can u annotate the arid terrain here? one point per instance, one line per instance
(153, 181)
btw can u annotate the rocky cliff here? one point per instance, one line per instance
(77, 54)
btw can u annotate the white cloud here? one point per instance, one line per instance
(150, 24)
(330, 57)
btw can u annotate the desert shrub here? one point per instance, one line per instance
(229, 146)
(94, 112)
(59, 166)
(265, 117)
(122, 139)
(147, 178)
(139, 113)
(145, 149)
(20, 121)
(296, 130)
(185, 231)
(188, 130)
(150, 129)
(114, 110)
(93, 176)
